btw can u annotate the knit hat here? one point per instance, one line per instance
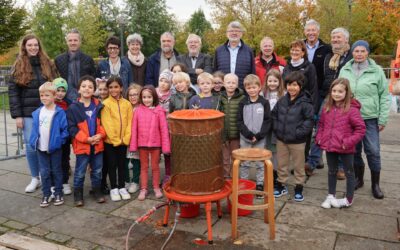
(166, 74)
(360, 43)
(60, 82)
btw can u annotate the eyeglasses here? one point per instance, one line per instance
(112, 48)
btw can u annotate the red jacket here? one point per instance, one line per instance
(79, 129)
(261, 67)
(150, 129)
(340, 132)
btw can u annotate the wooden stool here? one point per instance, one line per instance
(254, 154)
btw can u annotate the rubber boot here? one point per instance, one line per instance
(376, 190)
(78, 197)
(98, 195)
(359, 175)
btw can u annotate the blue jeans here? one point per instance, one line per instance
(371, 147)
(96, 165)
(31, 155)
(50, 167)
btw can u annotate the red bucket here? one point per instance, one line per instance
(189, 210)
(246, 199)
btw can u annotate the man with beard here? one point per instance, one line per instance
(163, 58)
(74, 64)
(234, 56)
(333, 62)
(195, 61)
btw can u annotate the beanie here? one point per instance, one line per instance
(60, 82)
(166, 74)
(360, 43)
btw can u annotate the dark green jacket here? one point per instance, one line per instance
(180, 101)
(230, 107)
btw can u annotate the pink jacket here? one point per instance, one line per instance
(339, 132)
(150, 129)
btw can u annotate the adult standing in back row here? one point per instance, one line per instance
(234, 56)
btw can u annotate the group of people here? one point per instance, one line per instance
(115, 114)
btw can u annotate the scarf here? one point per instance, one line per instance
(136, 60)
(298, 63)
(114, 69)
(337, 53)
(359, 68)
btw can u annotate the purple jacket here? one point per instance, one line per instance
(340, 131)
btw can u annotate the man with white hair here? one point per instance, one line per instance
(163, 58)
(234, 56)
(74, 64)
(195, 61)
(333, 62)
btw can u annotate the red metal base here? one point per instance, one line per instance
(206, 199)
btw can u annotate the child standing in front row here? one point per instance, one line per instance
(49, 132)
(205, 99)
(87, 139)
(230, 99)
(184, 92)
(273, 91)
(133, 157)
(292, 122)
(150, 137)
(116, 117)
(254, 121)
(340, 128)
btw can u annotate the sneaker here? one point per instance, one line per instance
(114, 195)
(280, 190)
(35, 184)
(298, 193)
(124, 194)
(329, 202)
(158, 193)
(142, 194)
(320, 164)
(309, 171)
(52, 196)
(45, 202)
(342, 203)
(133, 188)
(59, 200)
(340, 175)
(260, 187)
(67, 189)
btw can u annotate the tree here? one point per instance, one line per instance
(12, 24)
(150, 19)
(48, 23)
(87, 18)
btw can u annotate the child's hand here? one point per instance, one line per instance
(254, 139)
(90, 140)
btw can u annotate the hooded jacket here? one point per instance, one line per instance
(254, 118)
(58, 130)
(293, 120)
(370, 89)
(340, 131)
(79, 129)
(116, 118)
(150, 129)
(230, 107)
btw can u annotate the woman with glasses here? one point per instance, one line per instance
(114, 65)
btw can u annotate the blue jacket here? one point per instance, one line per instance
(153, 68)
(125, 72)
(244, 62)
(58, 130)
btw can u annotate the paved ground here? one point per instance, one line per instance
(368, 224)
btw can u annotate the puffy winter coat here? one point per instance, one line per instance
(370, 89)
(340, 131)
(116, 118)
(180, 100)
(58, 130)
(293, 120)
(310, 79)
(230, 107)
(262, 67)
(150, 129)
(79, 129)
